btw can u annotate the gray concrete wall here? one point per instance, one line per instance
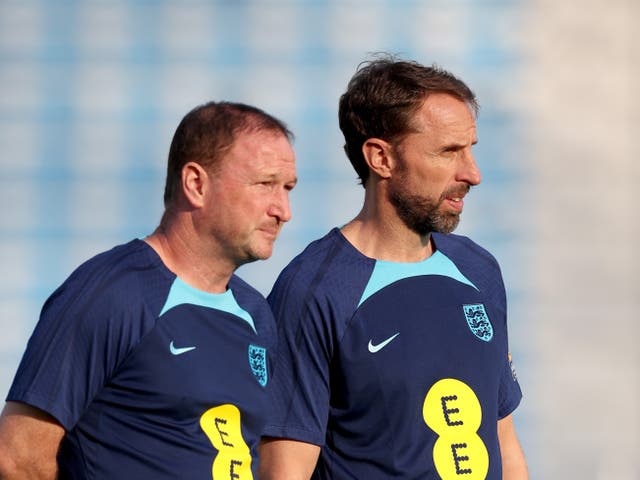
(584, 312)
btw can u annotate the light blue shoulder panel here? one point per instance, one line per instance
(385, 273)
(181, 293)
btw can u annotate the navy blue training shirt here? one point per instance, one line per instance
(397, 370)
(149, 377)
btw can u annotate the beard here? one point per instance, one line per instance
(423, 214)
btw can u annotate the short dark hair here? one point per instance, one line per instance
(382, 97)
(209, 130)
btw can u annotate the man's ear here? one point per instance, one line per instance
(378, 155)
(194, 183)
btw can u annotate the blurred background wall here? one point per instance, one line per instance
(91, 92)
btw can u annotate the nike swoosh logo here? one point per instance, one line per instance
(376, 348)
(179, 350)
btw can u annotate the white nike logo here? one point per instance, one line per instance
(376, 348)
(179, 350)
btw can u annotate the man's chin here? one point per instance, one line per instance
(264, 252)
(447, 224)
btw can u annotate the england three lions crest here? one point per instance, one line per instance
(258, 363)
(478, 321)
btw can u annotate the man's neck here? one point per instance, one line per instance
(189, 259)
(382, 235)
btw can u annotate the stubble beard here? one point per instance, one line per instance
(422, 214)
(262, 248)
(252, 249)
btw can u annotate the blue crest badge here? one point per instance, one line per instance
(258, 363)
(478, 321)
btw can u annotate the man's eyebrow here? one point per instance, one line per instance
(452, 147)
(276, 176)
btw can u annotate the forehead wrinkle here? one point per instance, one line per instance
(451, 130)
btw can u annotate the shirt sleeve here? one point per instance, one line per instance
(300, 392)
(83, 334)
(510, 394)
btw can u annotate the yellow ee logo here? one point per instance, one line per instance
(222, 426)
(453, 411)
